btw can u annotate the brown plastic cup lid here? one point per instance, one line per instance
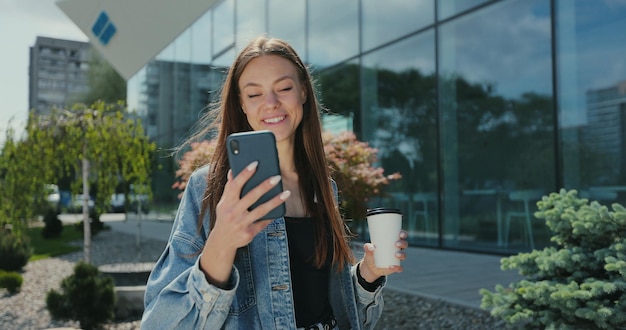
(381, 210)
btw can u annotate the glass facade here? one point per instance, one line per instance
(482, 106)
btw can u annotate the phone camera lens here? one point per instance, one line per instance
(234, 146)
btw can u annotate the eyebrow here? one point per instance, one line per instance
(253, 84)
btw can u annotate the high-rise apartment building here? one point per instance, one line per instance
(58, 73)
(604, 135)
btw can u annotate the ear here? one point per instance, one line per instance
(303, 95)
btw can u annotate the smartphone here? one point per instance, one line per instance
(246, 147)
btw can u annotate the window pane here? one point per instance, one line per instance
(223, 26)
(449, 8)
(181, 112)
(592, 98)
(339, 92)
(224, 61)
(497, 125)
(400, 120)
(250, 21)
(286, 21)
(201, 39)
(384, 21)
(333, 31)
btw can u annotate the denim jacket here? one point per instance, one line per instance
(259, 294)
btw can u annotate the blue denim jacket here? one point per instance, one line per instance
(259, 295)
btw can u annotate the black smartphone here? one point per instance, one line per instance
(246, 147)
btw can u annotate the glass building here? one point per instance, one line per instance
(482, 106)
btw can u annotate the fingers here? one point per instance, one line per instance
(233, 186)
(268, 206)
(369, 259)
(232, 192)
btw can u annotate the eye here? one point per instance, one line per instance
(286, 89)
(251, 96)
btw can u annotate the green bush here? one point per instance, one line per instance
(14, 251)
(87, 296)
(11, 281)
(578, 284)
(53, 226)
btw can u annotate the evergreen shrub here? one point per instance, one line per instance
(14, 251)
(53, 226)
(12, 281)
(580, 283)
(86, 296)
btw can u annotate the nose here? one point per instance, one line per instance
(271, 100)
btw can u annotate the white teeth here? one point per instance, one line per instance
(274, 120)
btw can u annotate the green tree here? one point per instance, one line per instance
(22, 179)
(105, 84)
(578, 284)
(97, 141)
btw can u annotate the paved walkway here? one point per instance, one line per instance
(451, 276)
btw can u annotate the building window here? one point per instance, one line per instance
(251, 21)
(286, 20)
(384, 21)
(223, 27)
(400, 120)
(497, 125)
(449, 8)
(333, 31)
(592, 98)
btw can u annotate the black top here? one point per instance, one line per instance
(310, 284)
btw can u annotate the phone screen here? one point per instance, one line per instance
(246, 147)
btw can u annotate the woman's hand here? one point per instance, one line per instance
(368, 268)
(235, 226)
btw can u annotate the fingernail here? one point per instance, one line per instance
(252, 165)
(274, 180)
(398, 255)
(371, 247)
(285, 195)
(398, 244)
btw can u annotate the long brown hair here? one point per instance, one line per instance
(314, 178)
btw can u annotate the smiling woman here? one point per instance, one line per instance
(218, 249)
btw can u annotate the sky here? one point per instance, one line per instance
(21, 21)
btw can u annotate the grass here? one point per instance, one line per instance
(52, 247)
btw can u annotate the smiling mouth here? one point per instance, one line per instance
(274, 120)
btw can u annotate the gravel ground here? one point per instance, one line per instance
(27, 309)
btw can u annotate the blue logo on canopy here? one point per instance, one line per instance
(103, 28)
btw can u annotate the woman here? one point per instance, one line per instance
(223, 269)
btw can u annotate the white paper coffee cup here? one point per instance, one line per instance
(384, 226)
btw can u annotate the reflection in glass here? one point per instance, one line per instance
(497, 125)
(333, 31)
(200, 40)
(449, 8)
(250, 22)
(384, 21)
(339, 91)
(286, 20)
(400, 120)
(225, 60)
(223, 26)
(592, 98)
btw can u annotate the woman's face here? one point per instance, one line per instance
(271, 96)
